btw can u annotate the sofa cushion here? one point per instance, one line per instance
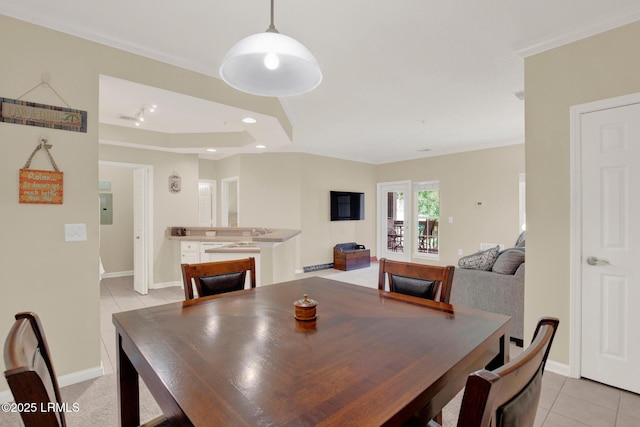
(508, 261)
(482, 260)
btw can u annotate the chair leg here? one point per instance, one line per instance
(438, 418)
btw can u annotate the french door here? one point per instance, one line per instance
(394, 220)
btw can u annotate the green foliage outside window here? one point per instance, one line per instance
(429, 203)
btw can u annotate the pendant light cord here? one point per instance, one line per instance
(272, 27)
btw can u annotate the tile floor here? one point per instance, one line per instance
(565, 402)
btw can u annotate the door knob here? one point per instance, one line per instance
(595, 261)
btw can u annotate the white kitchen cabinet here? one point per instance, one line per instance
(189, 252)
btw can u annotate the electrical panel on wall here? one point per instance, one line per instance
(106, 208)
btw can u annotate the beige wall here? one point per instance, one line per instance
(490, 176)
(600, 67)
(320, 175)
(207, 170)
(269, 194)
(38, 270)
(116, 239)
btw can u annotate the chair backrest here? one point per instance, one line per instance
(30, 373)
(211, 278)
(421, 280)
(509, 395)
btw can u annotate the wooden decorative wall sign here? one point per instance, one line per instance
(42, 115)
(40, 186)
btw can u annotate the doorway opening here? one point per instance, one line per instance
(141, 237)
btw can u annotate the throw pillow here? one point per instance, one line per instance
(521, 240)
(508, 261)
(483, 260)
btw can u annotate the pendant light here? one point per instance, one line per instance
(271, 64)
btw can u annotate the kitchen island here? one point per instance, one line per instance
(274, 249)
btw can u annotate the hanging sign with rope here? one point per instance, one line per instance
(42, 115)
(40, 186)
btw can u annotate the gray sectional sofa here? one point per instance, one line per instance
(492, 291)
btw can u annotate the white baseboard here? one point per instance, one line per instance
(557, 368)
(78, 377)
(166, 284)
(116, 274)
(64, 380)
(130, 273)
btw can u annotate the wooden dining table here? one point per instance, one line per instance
(371, 358)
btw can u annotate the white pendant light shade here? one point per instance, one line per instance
(271, 64)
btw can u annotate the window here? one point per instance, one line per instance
(427, 197)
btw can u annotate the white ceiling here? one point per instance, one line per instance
(400, 77)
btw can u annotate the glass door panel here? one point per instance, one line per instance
(395, 208)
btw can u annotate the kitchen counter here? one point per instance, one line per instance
(274, 249)
(260, 235)
(241, 247)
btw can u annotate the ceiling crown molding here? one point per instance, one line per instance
(605, 23)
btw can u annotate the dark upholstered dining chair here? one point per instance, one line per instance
(420, 280)
(212, 278)
(509, 395)
(32, 378)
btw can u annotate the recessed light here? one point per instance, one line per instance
(249, 120)
(211, 150)
(261, 146)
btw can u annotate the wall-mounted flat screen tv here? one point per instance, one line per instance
(347, 206)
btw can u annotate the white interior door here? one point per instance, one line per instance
(140, 236)
(207, 204)
(610, 271)
(230, 211)
(394, 220)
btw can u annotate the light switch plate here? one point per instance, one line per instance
(75, 232)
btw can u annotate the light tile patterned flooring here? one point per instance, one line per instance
(565, 402)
